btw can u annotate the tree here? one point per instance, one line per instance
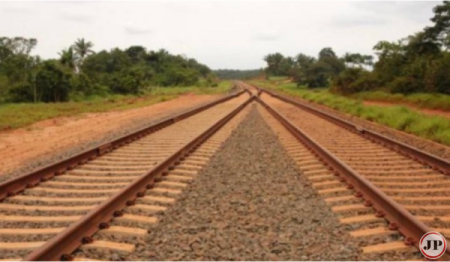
(329, 60)
(440, 31)
(68, 58)
(419, 45)
(385, 49)
(327, 52)
(303, 64)
(16, 46)
(136, 53)
(52, 83)
(83, 49)
(357, 60)
(15, 60)
(304, 61)
(274, 63)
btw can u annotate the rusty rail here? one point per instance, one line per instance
(423, 157)
(400, 219)
(16, 185)
(63, 244)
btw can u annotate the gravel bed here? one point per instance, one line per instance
(8, 254)
(25, 238)
(415, 194)
(365, 225)
(249, 203)
(46, 213)
(64, 194)
(394, 256)
(38, 202)
(337, 194)
(346, 202)
(13, 224)
(62, 154)
(354, 213)
(438, 223)
(421, 143)
(84, 187)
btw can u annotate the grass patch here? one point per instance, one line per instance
(278, 78)
(22, 114)
(399, 117)
(422, 100)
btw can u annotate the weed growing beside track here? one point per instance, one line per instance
(422, 100)
(398, 117)
(22, 114)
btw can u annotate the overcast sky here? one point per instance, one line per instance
(220, 34)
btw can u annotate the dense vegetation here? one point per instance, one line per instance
(417, 63)
(310, 71)
(237, 74)
(80, 72)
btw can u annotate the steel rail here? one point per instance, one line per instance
(400, 219)
(32, 179)
(63, 244)
(423, 157)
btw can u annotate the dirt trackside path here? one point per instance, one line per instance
(47, 141)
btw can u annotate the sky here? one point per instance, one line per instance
(220, 34)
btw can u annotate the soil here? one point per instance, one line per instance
(25, 149)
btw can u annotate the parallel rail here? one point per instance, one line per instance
(400, 219)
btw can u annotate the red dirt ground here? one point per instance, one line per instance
(18, 147)
(434, 112)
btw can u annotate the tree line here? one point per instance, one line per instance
(80, 72)
(237, 74)
(417, 63)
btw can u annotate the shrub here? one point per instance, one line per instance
(22, 92)
(52, 84)
(405, 85)
(353, 80)
(82, 84)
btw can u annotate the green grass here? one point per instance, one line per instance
(399, 117)
(422, 100)
(23, 114)
(278, 78)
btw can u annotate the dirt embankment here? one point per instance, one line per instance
(50, 140)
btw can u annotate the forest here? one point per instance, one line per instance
(79, 72)
(417, 63)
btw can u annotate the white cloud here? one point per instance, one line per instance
(222, 34)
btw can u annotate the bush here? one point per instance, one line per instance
(128, 81)
(353, 80)
(52, 84)
(404, 85)
(22, 92)
(81, 83)
(4, 86)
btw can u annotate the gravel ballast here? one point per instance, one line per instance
(249, 203)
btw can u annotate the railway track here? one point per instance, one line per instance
(389, 194)
(113, 244)
(100, 204)
(48, 214)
